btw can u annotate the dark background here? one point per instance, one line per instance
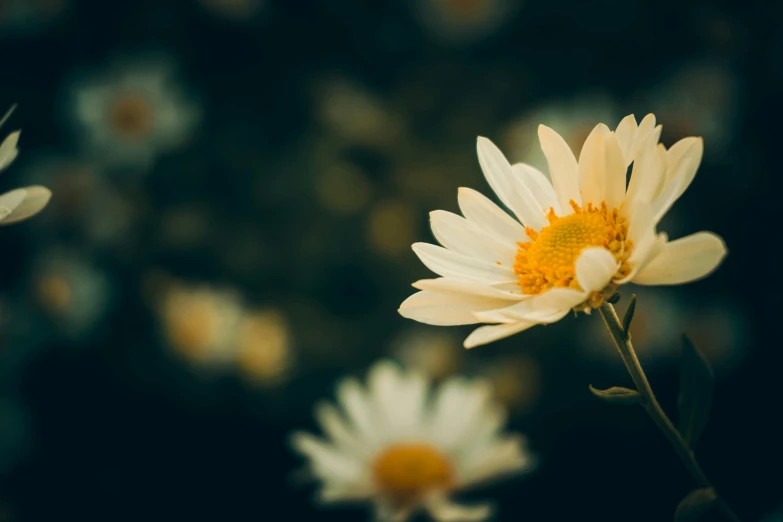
(110, 424)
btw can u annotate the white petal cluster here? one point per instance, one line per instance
(458, 419)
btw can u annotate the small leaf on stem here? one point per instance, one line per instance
(695, 393)
(618, 395)
(628, 317)
(695, 505)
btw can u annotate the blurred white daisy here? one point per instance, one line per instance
(585, 233)
(464, 21)
(20, 203)
(200, 322)
(264, 354)
(397, 447)
(72, 291)
(214, 329)
(133, 112)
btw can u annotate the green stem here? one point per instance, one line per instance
(624, 346)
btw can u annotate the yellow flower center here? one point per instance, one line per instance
(130, 116)
(548, 260)
(406, 471)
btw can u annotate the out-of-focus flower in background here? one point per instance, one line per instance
(133, 110)
(28, 17)
(234, 10)
(698, 100)
(71, 290)
(355, 114)
(200, 322)
(463, 21)
(264, 344)
(396, 447)
(87, 203)
(215, 330)
(573, 119)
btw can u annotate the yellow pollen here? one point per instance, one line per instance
(548, 260)
(407, 471)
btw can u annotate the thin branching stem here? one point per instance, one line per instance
(623, 342)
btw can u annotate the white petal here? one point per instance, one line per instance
(595, 268)
(344, 492)
(327, 461)
(510, 190)
(646, 126)
(563, 168)
(496, 460)
(399, 398)
(684, 260)
(539, 185)
(456, 406)
(625, 132)
(359, 411)
(451, 285)
(10, 201)
(545, 308)
(452, 264)
(647, 173)
(460, 235)
(35, 199)
(478, 209)
(488, 334)
(641, 231)
(443, 510)
(338, 430)
(682, 160)
(614, 172)
(602, 168)
(446, 309)
(8, 150)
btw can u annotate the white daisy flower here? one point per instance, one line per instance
(584, 234)
(134, 112)
(395, 446)
(21, 203)
(72, 290)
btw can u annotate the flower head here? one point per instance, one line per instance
(579, 234)
(134, 112)
(395, 446)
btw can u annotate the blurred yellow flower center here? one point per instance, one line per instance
(406, 471)
(548, 260)
(130, 116)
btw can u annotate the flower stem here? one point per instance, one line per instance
(649, 402)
